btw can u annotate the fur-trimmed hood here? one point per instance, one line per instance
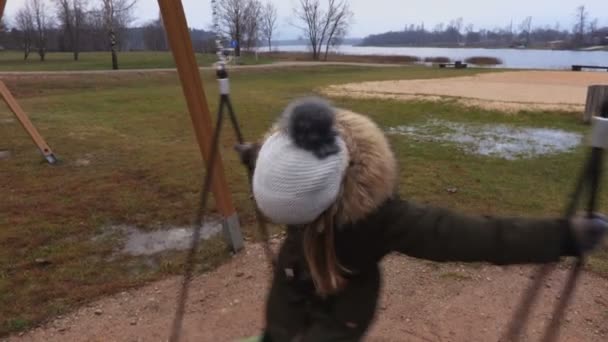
(371, 176)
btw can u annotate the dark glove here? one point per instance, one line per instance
(588, 232)
(248, 153)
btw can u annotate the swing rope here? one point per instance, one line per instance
(201, 212)
(589, 180)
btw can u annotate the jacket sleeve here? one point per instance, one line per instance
(443, 235)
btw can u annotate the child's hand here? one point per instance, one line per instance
(589, 232)
(248, 153)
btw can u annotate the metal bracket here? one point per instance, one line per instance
(224, 86)
(231, 229)
(599, 133)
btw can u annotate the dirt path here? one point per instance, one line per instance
(230, 67)
(421, 301)
(507, 91)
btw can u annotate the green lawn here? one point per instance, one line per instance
(55, 61)
(145, 170)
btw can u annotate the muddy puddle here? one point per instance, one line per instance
(501, 141)
(137, 242)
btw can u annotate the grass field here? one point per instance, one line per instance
(60, 61)
(143, 168)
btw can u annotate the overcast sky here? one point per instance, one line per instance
(375, 16)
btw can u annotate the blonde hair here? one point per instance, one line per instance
(320, 252)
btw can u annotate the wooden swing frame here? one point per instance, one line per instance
(24, 120)
(178, 37)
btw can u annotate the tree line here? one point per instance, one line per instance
(249, 22)
(584, 32)
(75, 26)
(41, 26)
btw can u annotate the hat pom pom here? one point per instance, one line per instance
(310, 124)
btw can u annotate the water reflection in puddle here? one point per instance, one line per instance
(502, 141)
(138, 242)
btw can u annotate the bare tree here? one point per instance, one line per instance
(269, 23)
(336, 40)
(439, 27)
(526, 29)
(319, 25)
(25, 24)
(310, 15)
(71, 15)
(581, 25)
(42, 22)
(339, 17)
(469, 28)
(4, 36)
(233, 19)
(593, 25)
(252, 24)
(242, 21)
(116, 15)
(471, 36)
(95, 30)
(456, 26)
(154, 35)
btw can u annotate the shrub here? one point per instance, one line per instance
(437, 60)
(483, 60)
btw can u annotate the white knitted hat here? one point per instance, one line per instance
(299, 169)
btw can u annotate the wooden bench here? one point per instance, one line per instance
(457, 65)
(581, 67)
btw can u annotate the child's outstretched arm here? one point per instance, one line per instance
(443, 235)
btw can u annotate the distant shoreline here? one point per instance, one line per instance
(530, 58)
(357, 43)
(587, 49)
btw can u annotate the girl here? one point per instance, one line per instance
(330, 176)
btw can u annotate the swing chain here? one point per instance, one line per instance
(589, 180)
(215, 7)
(225, 103)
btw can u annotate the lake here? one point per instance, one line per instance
(512, 58)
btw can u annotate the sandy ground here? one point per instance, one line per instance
(510, 91)
(421, 301)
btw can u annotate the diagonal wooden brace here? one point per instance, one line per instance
(178, 37)
(14, 106)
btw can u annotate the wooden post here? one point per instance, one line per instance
(14, 106)
(178, 37)
(596, 95)
(2, 5)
